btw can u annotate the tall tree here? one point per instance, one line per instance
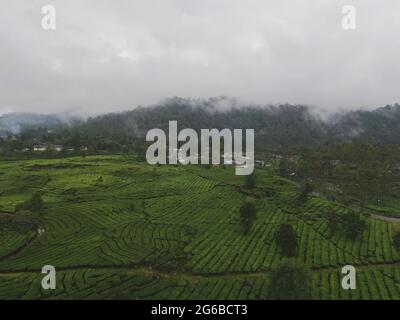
(287, 241)
(247, 216)
(305, 190)
(290, 281)
(396, 240)
(353, 225)
(333, 222)
(250, 181)
(34, 204)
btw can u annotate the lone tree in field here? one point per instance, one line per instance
(26, 220)
(286, 239)
(34, 204)
(290, 281)
(396, 240)
(306, 189)
(247, 216)
(250, 181)
(353, 225)
(333, 222)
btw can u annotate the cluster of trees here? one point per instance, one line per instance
(27, 217)
(352, 225)
(364, 172)
(72, 140)
(282, 128)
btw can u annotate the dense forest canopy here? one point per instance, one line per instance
(280, 128)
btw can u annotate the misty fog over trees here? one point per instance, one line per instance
(280, 128)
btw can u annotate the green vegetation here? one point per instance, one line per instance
(117, 228)
(290, 281)
(362, 175)
(24, 221)
(247, 216)
(250, 181)
(283, 129)
(396, 240)
(34, 204)
(353, 225)
(286, 240)
(305, 190)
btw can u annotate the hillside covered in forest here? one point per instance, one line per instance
(278, 128)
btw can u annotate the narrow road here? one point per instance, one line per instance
(385, 218)
(377, 215)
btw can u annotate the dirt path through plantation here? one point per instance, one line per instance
(385, 218)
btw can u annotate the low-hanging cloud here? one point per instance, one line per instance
(114, 55)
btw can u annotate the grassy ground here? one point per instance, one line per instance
(116, 228)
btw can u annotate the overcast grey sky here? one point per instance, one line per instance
(108, 55)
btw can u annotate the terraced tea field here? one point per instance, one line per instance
(120, 229)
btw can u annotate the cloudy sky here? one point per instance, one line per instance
(108, 55)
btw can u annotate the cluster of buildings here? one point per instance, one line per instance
(52, 147)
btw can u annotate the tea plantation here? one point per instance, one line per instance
(116, 228)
